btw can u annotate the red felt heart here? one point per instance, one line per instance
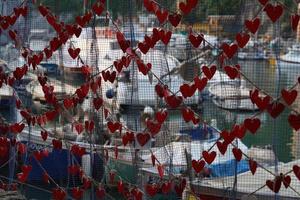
(58, 194)
(68, 103)
(200, 83)
(209, 72)
(12, 34)
(46, 178)
(100, 192)
(38, 155)
(237, 153)
(166, 37)
(138, 195)
(232, 72)
(113, 127)
(180, 187)
(275, 108)
(173, 101)
(187, 90)
(78, 128)
(44, 135)
(229, 50)
(295, 21)
(98, 8)
(144, 68)
(187, 114)
(222, 146)
(252, 25)
(185, 8)
(294, 121)
(289, 96)
(160, 169)
(273, 12)
(274, 185)
(239, 131)
(242, 39)
(161, 15)
(77, 193)
(286, 181)
(17, 128)
(142, 138)
(120, 186)
(124, 44)
(83, 91)
(174, 19)
(151, 189)
(252, 124)
(98, 102)
(166, 187)
(196, 40)
(144, 47)
(296, 170)
(74, 52)
(89, 126)
(57, 144)
(161, 115)
(227, 136)
(209, 157)
(262, 103)
(252, 166)
(160, 90)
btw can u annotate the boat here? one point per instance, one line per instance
(252, 54)
(231, 97)
(223, 188)
(292, 57)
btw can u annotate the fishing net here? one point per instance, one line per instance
(128, 99)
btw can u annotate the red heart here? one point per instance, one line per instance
(44, 135)
(187, 90)
(22, 177)
(286, 181)
(209, 157)
(151, 189)
(74, 52)
(173, 101)
(187, 114)
(289, 96)
(180, 187)
(144, 68)
(98, 8)
(113, 127)
(294, 121)
(274, 12)
(252, 166)
(12, 34)
(42, 80)
(166, 37)
(160, 90)
(274, 185)
(185, 8)
(125, 139)
(98, 102)
(160, 169)
(26, 169)
(263, 2)
(252, 25)
(161, 15)
(86, 183)
(166, 187)
(68, 103)
(57, 144)
(296, 170)
(237, 153)
(77, 193)
(153, 158)
(209, 72)
(242, 39)
(229, 50)
(17, 128)
(239, 131)
(275, 108)
(174, 19)
(124, 44)
(232, 72)
(196, 40)
(294, 21)
(83, 91)
(138, 195)
(227, 136)
(161, 115)
(79, 128)
(100, 192)
(222, 146)
(153, 127)
(38, 155)
(58, 194)
(46, 177)
(89, 126)
(252, 124)
(120, 186)
(144, 47)
(142, 138)
(262, 103)
(200, 83)
(73, 169)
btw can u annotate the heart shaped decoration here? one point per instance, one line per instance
(113, 127)
(296, 170)
(161, 115)
(252, 166)
(295, 21)
(289, 96)
(275, 108)
(187, 114)
(166, 37)
(274, 185)
(263, 2)
(120, 186)
(200, 83)
(242, 39)
(124, 44)
(286, 181)
(273, 12)
(196, 40)
(173, 101)
(174, 19)
(44, 135)
(237, 153)
(209, 157)
(239, 131)
(68, 103)
(232, 72)
(58, 194)
(98, 8)
(227, 136)
(98, 102)
(151, 189)
(74, 52)
(252, 124)
(77, 193)
(187, 90)
(252, 25)
(229, 50)
(161, 15)
(209, 72)
(222, 146)
(160, 169)
(166, 187)
(100, 192)
(294, 121)
(142, 138)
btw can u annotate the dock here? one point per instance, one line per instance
(11, 195)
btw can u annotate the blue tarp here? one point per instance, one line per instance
(200, 133)
(228, 168)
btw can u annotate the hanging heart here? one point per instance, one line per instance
(289, 96)
(161, 171)
(173, 101)
(252, 166)
(187, 114)
(151, 189)
(275, 108)
(222, 146)
(237, 153)
(295, 21)
(161, 115)
(229, 50)
(296, 170)
(274, 185)
(200, 83)
(100, 192)
(252, 124)
(196, 40)
(142, 138)
(166, 187)
(209, 157)
(98, 102)
(232, 72)
(286, 181)
(58, 194)
(263, 2)
(77, 193)
(273, 12)
(174, 19)
(74, 52)
(161, 15)
(209, 71)
(294, 121)
(252, 25)
(187, 90)
(242, 39)
(239, 131)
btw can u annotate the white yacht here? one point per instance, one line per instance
(292, 57)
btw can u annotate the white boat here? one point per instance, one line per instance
(292, 57)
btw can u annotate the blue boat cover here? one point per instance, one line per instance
(228, 168)
(200, 133)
